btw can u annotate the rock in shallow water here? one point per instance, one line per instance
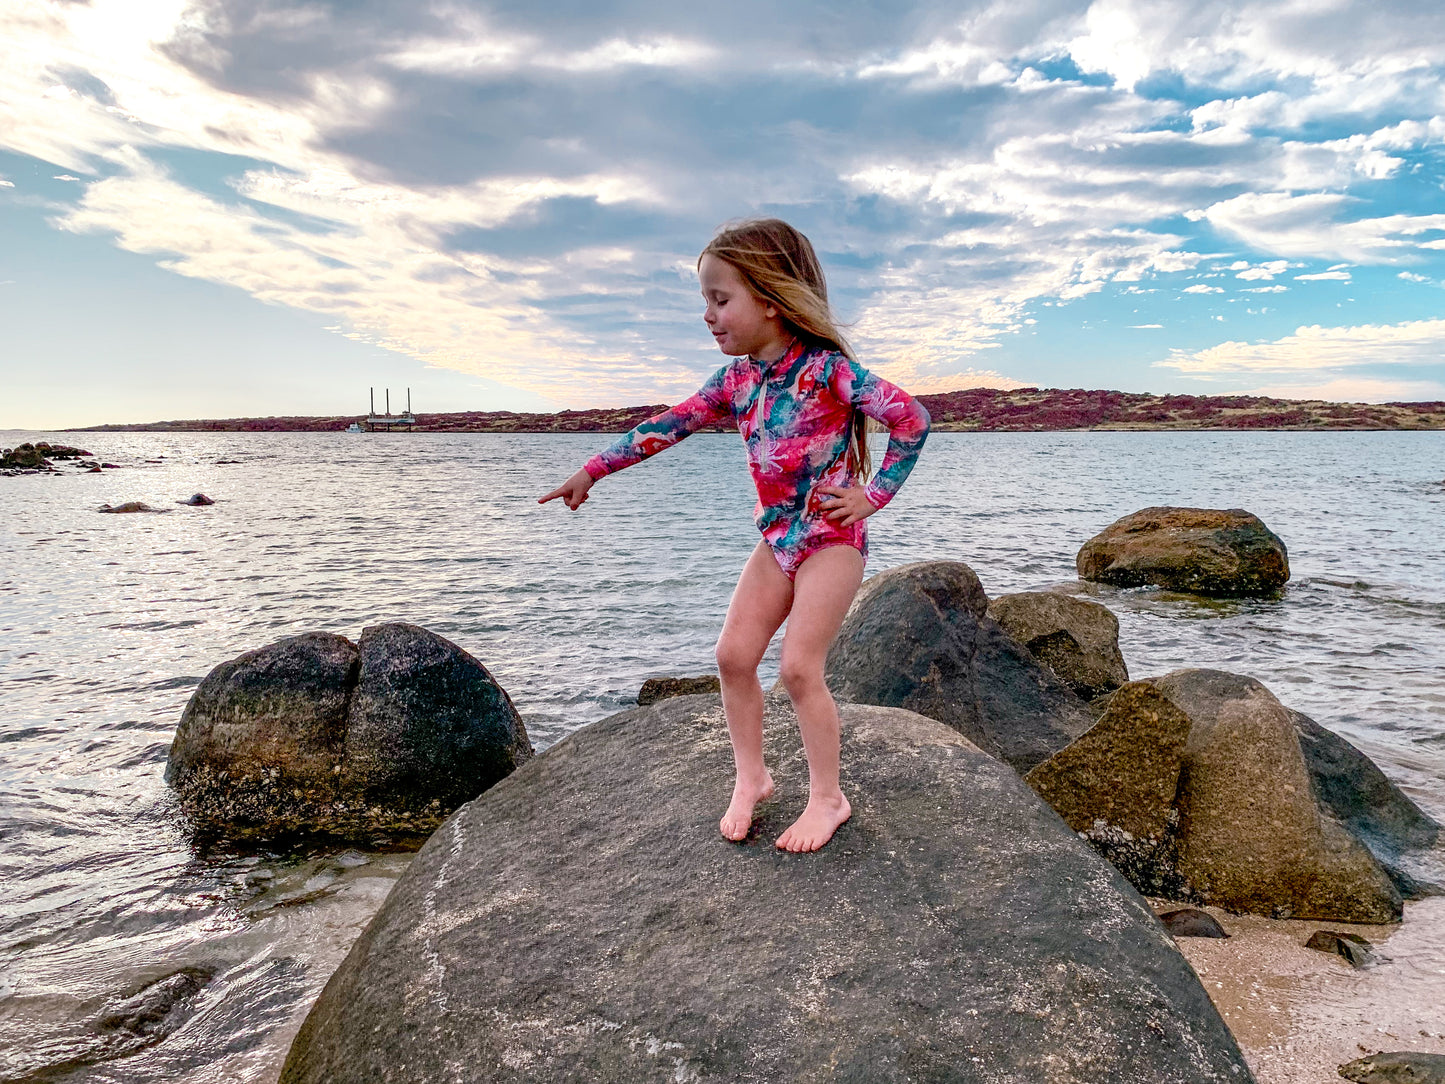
(1354, 948)
(156, 1010)
(1206, 551)
(584, 921)
(1192, 922)
(130, 506)
(317, 735)
(1399, 1067)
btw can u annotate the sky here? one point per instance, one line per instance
(228, 209)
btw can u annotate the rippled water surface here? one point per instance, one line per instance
(107, 623)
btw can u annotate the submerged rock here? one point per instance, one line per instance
(1206, 551)
(1354, 948)
(661, 688)
(317, 735)
(1399, 1067)
(1075, 638)
(130, 506)
(919, 637)
(954, 929)
(158, 1008)
(1192, 922)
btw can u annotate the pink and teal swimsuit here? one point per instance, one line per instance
(794, 415)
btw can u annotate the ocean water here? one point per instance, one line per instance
(108, 622)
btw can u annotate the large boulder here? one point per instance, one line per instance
(584, 921)
(1254, 834)
(1207, 551)
(1075, 638)
(919, 637)
(316, 735)
(1201, 786)
(1116, 785)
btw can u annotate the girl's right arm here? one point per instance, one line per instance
(709, 405)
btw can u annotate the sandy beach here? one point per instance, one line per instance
(1299, 1014)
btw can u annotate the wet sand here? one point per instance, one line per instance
(1299, 1014)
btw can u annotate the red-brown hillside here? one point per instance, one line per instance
(973, 410)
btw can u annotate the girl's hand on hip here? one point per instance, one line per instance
(573, 491)
(845, 507)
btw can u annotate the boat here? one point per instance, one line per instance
(355, 427)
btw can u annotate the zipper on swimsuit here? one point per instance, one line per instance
(760, 417)
(760, 411)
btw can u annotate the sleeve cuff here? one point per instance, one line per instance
(596, 468)
(876, 497)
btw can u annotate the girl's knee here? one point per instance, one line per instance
(802, 678)
(734, 661)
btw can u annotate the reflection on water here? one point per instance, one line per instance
(107, 622)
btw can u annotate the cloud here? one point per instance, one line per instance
(1357, 390)
(1203, 288)
(1265, 271)
(1315, 348)
(1325, 276)
(1311, 226)
(1144, 326)
(506, 192)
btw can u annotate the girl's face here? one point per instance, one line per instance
(740, 322)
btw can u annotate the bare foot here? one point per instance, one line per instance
(821, 818)
(738, 819)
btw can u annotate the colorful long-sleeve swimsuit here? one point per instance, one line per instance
(794, 415)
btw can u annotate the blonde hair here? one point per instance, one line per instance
(780, 267)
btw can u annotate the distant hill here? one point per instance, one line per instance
(975, 410)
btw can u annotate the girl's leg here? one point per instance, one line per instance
(759, 606)
(823, 589)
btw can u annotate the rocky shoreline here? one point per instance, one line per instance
(986, 410)
(1017, 798)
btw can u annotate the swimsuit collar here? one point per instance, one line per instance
(795, 350)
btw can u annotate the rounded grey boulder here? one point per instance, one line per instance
(919, 637)
(1075, 638)
(584, 921)
(316, 735)
(1206, 551)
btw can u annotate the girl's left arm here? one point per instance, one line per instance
(905, 417)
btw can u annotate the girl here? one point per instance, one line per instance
(799, 399)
